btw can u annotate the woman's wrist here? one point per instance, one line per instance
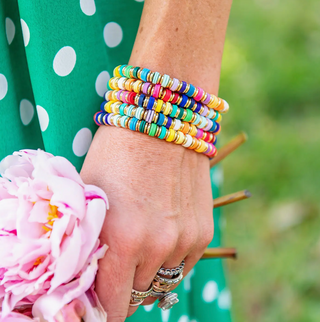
(134, 161)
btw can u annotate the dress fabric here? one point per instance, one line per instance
(55, 60)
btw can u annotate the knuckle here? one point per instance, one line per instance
(207, 236)
(165, 243)
(189, 239)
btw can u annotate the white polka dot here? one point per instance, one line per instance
(64, 61)
(88, 7)
(3, 86)
(224, 299)
(43, 118)
(187, 281)
(112, 34)
(26, 111)
(210, 291)
(165, 315)
(25, 32)
(10, 30)
(101, 83)
(148, 308)
(81, 142)
(184, 318)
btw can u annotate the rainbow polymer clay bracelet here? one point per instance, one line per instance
(151, 116)
(153, 129)
(166, 81)
(151, 104)
(157, 91)
(157, 105)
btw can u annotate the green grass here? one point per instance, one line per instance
(270, 77)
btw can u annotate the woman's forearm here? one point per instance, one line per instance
(184, 39)
(159, 193)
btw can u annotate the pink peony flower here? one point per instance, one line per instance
(50, 223)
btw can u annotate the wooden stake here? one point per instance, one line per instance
(233, 197)
(220, 252)
(229, 148)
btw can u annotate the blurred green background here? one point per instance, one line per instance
(271, 79)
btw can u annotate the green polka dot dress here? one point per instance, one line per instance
(56, 58)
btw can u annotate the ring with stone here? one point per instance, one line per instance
(171, 271)
(166, 300)
(137, 297)
(164, 285)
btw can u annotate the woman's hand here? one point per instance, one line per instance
(160, 211)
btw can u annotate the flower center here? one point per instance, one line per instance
(52, 216)
(38, 261)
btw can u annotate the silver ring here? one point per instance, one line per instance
(137, 297)
(172, 271)
(135, 303)
(166, 300)
(168, 281)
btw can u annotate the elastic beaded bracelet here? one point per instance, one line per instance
(172, 83)
(167, 108)
(157, 118)
(171, 135)
(138, 86)
(152, 116)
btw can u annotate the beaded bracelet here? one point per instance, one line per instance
(151, 104)
(160, 132)
(158, 118)
(157, 91)
(166, 81)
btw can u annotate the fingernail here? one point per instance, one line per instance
(79, 308)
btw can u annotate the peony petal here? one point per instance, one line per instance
(3, 191)
(8, 213)
(9, 302)
(17, 317)
(85, 282)
(68, 196)
(67, 262)
(49, 304)
(15, 166)
(94, 309)
(94, 192)
(26, 229)
(39, 212)
(64, 168)
(58, 230)
(41, 189)
(71, 312)
(91, 226)
(27, 252)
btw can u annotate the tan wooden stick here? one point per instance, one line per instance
(233, 197)
(229, 148)
(220, 252)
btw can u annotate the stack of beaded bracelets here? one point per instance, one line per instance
(160, 106)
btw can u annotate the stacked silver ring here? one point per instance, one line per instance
(171, 271)
(138, 297)
(162, 286)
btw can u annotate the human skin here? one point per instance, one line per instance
(159, 193)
